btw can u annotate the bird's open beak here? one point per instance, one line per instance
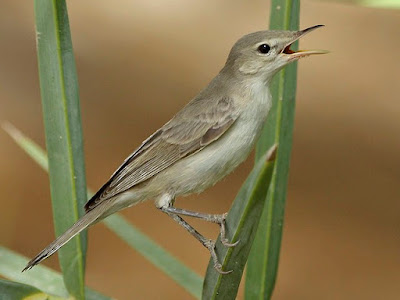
(301, 53)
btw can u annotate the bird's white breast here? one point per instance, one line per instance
(204, 168)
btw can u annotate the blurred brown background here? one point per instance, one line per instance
(140, 61)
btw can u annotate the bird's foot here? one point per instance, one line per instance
(210, 245)
(220, 219)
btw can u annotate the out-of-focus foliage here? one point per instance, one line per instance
(370, 3)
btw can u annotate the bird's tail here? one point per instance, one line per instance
(89, 218)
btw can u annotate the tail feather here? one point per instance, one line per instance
(88, 219)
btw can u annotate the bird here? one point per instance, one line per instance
(201, 144)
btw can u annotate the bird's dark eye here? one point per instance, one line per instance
(264, 48)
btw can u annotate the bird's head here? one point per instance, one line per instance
(261, 54)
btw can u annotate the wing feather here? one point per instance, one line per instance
(199, 124)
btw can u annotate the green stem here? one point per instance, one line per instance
(61, 113)
(264, 256)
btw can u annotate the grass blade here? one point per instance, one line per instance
(41, 277)
(158, 256)
(61, 112)
(264, 257)
(242, 222)
(166, 262)
(30, 147)
(10, 290)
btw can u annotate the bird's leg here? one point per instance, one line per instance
(209, 244)
(214, 218)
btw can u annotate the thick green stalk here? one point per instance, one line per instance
(61, 112)
(263, 261)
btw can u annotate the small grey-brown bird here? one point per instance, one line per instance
(201, 144)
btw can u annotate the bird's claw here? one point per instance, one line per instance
(210, 244)
(224, 240)
(218, 268)
(226, 243)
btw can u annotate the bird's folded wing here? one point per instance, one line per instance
(200, 123)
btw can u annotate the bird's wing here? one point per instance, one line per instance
(193, 128)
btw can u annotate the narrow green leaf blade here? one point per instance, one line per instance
(241, 223)
(10, 290)
(61, 112)
(41, 277)
(163, 260)
(27, 144)
(157, 255)
(263, 261)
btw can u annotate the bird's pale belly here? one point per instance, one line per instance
(203, 169)
(206, 167)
